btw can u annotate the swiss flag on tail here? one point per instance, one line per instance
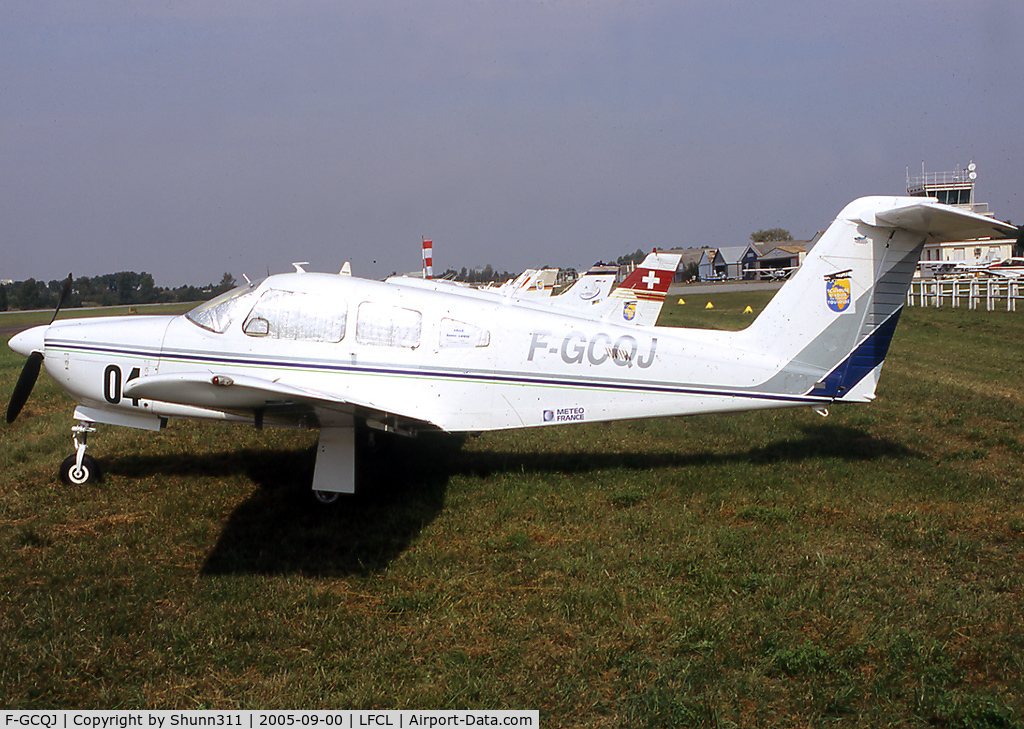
(639, 299)
(651, 279)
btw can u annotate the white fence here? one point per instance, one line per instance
(974, 293)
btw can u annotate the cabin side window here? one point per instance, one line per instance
(306, 317)
(459, 334)
(382, 325)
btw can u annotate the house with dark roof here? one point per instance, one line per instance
(722, 263)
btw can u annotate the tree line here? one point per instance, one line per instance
(484, 275)
(111, 289)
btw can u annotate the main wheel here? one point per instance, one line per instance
(71, 474)
(326, 497)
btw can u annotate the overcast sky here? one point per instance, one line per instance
(187, 139)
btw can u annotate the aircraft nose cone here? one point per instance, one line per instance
(28, 341)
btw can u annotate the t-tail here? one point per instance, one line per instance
(830, 325)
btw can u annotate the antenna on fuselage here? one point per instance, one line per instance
(299, 266)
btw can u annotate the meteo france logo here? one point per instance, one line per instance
(565, 415)
(837, 293)
(629, 310)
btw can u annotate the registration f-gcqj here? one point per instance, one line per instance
(341, 354)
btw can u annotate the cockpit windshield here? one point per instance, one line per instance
(217, 314)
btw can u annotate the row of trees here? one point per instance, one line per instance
(772, 235)
(484, 275)
(112, 289)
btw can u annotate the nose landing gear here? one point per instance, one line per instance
(80, 468)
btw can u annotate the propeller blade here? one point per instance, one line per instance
(26, 381)
(30, 372)
(63, 295)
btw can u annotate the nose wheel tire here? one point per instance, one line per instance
(326, 497)
(74, 476)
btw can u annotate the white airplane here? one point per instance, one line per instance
(1009, 268)
(956, 269)
(533, 282)
(335, 352)
(589, 289)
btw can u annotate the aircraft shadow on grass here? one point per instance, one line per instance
(819, 441)
(280, 529)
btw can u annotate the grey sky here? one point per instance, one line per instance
(191, 138)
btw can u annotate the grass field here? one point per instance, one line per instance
(767, 569)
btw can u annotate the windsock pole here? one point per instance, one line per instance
(428, 258)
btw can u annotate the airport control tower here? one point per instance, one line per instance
(956, 188)
(952, 188)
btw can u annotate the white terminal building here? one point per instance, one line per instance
(957, 188)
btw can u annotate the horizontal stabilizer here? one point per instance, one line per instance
(939, 222)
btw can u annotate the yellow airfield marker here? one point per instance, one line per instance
(710, 306)
(681, 301)
(748, 310)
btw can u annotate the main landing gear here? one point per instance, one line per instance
(80, 468)
(326, 497)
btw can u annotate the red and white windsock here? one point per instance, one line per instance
(428, 258)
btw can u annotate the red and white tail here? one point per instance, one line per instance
(428, 258)
(639, 299)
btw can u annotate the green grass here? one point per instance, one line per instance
(36, 317)
(727, 312)
(764, 569)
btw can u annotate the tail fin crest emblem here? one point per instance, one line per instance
(838, 294)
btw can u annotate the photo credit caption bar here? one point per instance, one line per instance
(266, 719)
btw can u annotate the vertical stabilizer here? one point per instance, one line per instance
(831, 324)
(588, 291)
(639, 299)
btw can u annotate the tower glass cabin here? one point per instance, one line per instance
(951, 188)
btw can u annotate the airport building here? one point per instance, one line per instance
(782, 258)
(721, 263)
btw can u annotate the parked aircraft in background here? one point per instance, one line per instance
(533, 282)
(1010, 268)
(955, 269)
(591, 292)
(775, 274)
(593, 287)
(335, 352)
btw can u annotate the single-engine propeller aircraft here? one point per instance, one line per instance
(336, 352)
